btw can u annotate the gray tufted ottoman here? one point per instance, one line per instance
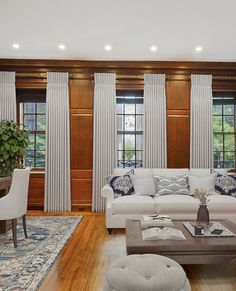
(146, 273)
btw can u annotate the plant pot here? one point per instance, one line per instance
(203, 214)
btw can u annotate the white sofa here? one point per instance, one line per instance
(177, 206)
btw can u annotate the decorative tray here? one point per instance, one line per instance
(208, 228)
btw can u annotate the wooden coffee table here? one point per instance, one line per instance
(204, 250)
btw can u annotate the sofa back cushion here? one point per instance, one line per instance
(169, 172)
(200, 172)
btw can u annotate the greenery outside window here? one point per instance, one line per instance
(32, 113)
(224, 131)
(130, 130)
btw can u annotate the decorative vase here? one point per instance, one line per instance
(203, 214)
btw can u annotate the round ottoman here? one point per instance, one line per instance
(146, 273)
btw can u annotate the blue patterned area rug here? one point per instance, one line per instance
(25, 267)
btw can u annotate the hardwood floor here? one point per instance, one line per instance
(82, 263)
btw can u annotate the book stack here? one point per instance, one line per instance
(148, 221)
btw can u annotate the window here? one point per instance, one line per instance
(130, 130)
(224, 131)
(32, 113)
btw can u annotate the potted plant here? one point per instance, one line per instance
(13, 145)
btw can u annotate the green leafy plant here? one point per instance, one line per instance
(13, 145)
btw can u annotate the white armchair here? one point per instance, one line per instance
(14, 204)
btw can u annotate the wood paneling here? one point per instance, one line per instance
(81, 94)
(36, 191)
(81, 141)
(177, 95)
(178, 141)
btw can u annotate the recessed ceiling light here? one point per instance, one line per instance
(16, 46)
(153, 48)
(107, 47)
(198, 48)
(61, 46)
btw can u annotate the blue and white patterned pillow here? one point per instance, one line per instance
(226, 185)
(122, 185)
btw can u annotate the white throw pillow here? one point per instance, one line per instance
(144, 185)
(206, 183)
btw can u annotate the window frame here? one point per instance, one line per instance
(35, 95)
(131, 93)
(225, 94)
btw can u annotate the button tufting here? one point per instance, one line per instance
(168, 266)
(148, 278)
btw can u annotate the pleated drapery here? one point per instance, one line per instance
(155, 145)
(201, 132)
(57, 175)
(104, 136)
(7, 96)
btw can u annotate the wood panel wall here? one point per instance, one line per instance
(32, 74)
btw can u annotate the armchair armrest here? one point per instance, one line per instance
(107, 192)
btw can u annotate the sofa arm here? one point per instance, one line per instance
(108, 193)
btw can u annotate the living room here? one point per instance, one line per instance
(139, 94)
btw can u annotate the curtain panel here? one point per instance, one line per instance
(201, 135)
(104, 136)
(57, 175)
(7, 96)
(155, 144)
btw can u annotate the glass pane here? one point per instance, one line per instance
(29, 158)
(229, 156)
(217, 109)
(139, 139)
(29, 122)
(119, 108)
(229, 142)
(120, 142)
(139, 108)
(41, 107)
(120, 122)
(218, 142)
(139, 123)
(41, 122)
(40, 159)
(139, 155)
(129, 123)
(29, 107)
(139, 164)
(217, 123)
(129, 155)
(229, 164)
(120, 155)
(129, 147)
(218, 160)
(31, 140)
(40, 142)
(228, 123)
(229, 109)
(129, 108)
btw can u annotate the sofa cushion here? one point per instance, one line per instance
(220, 171)
(205, 183)
(144, 185)
(133, 205)
(169, 172)
(181, 204)
(225, 185)
(200, 172)
(221, 204)
(172, 185)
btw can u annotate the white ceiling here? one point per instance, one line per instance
(176, 27)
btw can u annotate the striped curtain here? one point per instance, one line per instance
(155, 145)
(7, 96)
(201, 135)
(57, 176)
(104, 136)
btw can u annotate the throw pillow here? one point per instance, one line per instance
(226, 185)
(144, 185)
(122, 185)
(172, 185)
(206, 183)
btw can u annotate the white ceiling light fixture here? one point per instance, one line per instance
(107, 47)
(153, 48)
(61, 46)
(198, 48)
(16, 46)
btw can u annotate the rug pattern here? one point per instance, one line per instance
(25, 267)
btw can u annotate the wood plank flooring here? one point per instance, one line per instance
(82, 264)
